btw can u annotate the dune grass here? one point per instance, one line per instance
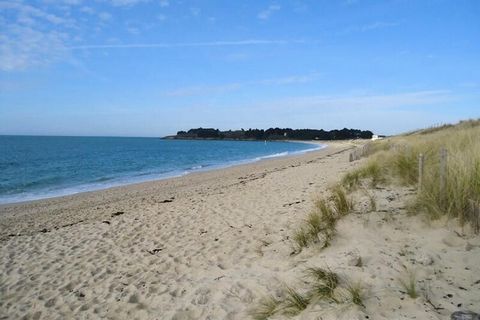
(356, 292)
(295, 302)
(320, 225)
(341, 203)
(324, 284)
(409, 284)
(266, 308)
(396, 161)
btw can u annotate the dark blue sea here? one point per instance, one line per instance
(35, 167)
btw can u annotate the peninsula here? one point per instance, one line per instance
(272, 134)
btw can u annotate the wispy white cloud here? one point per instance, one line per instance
(290, 79)
(126, 3)
(249, 42)
(378, 25)
(104, 16)
(350, 2)
(202, 90)
(31, 37)
(265, 14)
(416, 98)
(28, 15)
(164, 3)
(195, 11)
(220, 89)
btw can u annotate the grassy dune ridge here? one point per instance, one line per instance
(396, 160)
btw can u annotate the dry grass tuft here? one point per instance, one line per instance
(356, 292)
(295, 302)
(266, 308)
(409, 284)
(341, 203)
(324, 285)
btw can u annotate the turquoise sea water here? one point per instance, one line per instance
(41, 167)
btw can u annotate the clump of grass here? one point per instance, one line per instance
(329, 219)
(373, 171)
(319, 227)
(302, 238)
(314, 222)
(409, 284)
(266, 308)
(405, 166)
(295, 302)
(356, 292)
(325, 283)
(342, 205)
(351, 180)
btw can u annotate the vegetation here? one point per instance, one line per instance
(320, 225)
(392, 161)
(341, 204)
(441, 194)
(356, 293)
(409, 284)
(265, 308)
(324, 285)
(273, 134)
(294, 302)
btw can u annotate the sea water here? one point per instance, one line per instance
(36, 167)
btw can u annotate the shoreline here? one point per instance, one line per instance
(31, 209)
(92, 187)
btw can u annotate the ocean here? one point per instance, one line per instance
(37, 167)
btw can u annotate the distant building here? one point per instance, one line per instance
(377, 137)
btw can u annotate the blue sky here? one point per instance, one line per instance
(150, 68)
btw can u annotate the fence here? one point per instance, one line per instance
(473, 212)
(359, 152)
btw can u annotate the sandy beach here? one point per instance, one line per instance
(209, 245)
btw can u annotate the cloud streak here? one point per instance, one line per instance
(248, 42)
(220, 89)
(406, 99)
(265, 14)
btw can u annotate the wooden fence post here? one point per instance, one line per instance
(420, 172)
(474, 216)
(443, 176)
(350, 158)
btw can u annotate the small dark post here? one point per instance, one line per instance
(474, 216)
(420, 172)
(443, 176)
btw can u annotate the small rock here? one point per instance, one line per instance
(468, 246)
(465, 315)
(354, 260)
(425, 259)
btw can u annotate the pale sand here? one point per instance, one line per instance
(220, 245)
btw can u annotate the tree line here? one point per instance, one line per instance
(274, 134)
